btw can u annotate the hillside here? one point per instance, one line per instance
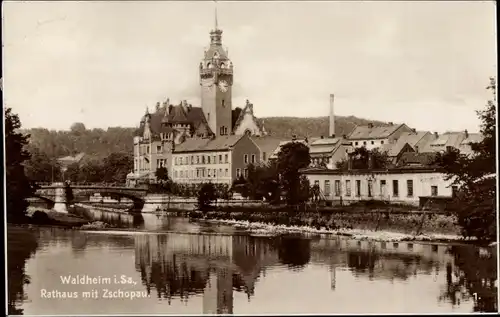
(100, 143)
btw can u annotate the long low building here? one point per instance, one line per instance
(396, 185)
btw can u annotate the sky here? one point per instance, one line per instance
(426, 64)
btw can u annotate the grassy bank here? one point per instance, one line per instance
(372, 222)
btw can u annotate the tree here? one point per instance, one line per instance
(162, 174)
(361, 159)
(475, 202)
(116, 167)
(78, 128)
(292, 157)
(206, 195)
(18, 186)
(42, 168)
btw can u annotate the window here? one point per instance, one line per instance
(381, 142)
(203, 159)
(348, 187)
(182, 174)
(246, 158)
(209, 174)
(208, 159)
(337, 188)
(220, 171)
(192, 160)
(434, 190)
(316, 183)
(214, 159)
(364, 142)
(327, 188)
(197, 159)
(175, 174)
(226, 158)
(223, 103)
(395, 188)
(370, 188)
(203, 173)
(382, 188)
(147, 150)
(409, 185)
(356, 143)
(358, 188)
(226, 172)
(263, 156)
(198, 173)
(373, 142)
(158, 149)
(245, 172)
(220, 158)
(253, 158)
(238, 172)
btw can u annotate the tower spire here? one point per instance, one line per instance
(216, 22)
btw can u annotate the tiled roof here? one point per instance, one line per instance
(414, 158)
(216, 144)
(375, 132)
(267, 144)
(465, 145)
(453, 139)
(177, 114)
(410, 138)
(72, 159)
(326, 145)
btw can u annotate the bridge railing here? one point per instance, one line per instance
(86, 184)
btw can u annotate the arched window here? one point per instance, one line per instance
(222, 65)
(209, 65)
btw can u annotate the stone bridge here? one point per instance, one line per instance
(55, 194)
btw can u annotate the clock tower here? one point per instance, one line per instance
(216, 81)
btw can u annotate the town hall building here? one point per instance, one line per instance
(170, 126)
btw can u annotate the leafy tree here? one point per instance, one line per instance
(474, 204)
(117, 166)
(18, 186)
(73, 173)
(206, 196)
(42, 168)
(78, 128)
(361, 159)
(292, 157)
(162, 174)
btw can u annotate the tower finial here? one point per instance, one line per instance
(216, 22)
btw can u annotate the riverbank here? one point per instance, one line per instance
(358, 224)
(48, 217)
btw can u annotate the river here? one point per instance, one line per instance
(179, 267)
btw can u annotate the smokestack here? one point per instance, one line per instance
(332, 116)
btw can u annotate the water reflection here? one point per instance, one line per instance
(214, 273)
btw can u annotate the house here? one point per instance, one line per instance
(470, 138)
(66, 161)
(371, 136)
(406, 142)
(396, 185)
(267, 146)
(326, 152)
(218, 160)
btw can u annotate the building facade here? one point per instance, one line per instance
(161, 132)
(372, 137)
(398, 185)
(220, 160)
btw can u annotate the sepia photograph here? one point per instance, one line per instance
(250, 157)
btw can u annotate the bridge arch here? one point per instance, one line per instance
(138, 201)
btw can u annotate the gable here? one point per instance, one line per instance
(247, 123)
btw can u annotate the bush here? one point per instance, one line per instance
(206, 196)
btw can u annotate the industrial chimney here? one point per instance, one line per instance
(332, 116)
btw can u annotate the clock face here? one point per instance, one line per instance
(223, 85)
